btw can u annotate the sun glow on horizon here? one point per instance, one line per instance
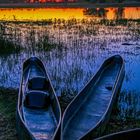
(126, 13)
(41, 14)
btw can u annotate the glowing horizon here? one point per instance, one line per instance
(41, 14)
(128, 13)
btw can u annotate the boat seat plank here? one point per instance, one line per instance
(38, 83)
(37, 99)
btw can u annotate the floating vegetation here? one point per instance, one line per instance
(8, 47)
(45, 45)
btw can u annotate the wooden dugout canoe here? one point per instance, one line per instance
(38, 111)
(88, 113)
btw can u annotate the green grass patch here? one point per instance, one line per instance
(8, 101)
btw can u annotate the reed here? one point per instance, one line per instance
(73, 49)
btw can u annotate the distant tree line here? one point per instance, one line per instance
(95, 1)
(36, 1)
(44, 1)
(103, 1)
(11, 1)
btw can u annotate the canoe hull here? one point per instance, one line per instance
(71, 122)
(22, 132)
(99, 129)
(32, 123)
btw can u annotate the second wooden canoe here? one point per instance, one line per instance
(87, 114)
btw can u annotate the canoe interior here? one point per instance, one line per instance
(42, 123)
(88, 113)
(32, 70)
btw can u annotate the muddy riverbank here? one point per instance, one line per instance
(8, 101)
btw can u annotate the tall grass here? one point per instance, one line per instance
(7, 46)
(74, 49)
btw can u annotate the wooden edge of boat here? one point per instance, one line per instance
(126, 134)
(19, 120)
(119, 79)
(106, 115)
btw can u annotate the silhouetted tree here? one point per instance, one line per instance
(102, 1)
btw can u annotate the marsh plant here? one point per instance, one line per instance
(73, 50)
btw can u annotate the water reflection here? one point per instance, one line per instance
(114, 13)
(73, 49)
(96, 12)
(120, 13)
(41, 14)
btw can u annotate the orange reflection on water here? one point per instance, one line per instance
(39, 14)
(111, 13)
(127, 13)
(131, 13)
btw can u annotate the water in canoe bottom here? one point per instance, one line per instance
(36, 121)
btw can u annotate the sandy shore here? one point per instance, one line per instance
(69, 5)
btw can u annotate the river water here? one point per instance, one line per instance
(73, 43)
